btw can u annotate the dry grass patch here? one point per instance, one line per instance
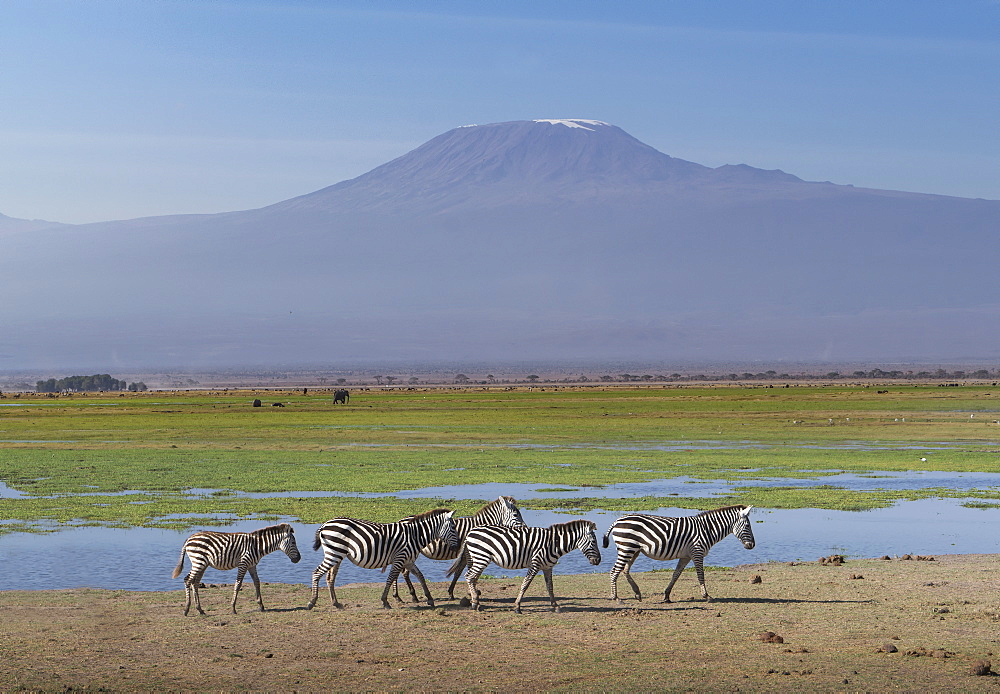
(834, 623)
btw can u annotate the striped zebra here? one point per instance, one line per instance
(537, 549)
(227, 551)
(373, 545)
(684, 539)
(503, 512)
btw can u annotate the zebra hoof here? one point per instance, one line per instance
(557, 609)
(310, 605)
(340, 606)
(517, 610)
(430, 603)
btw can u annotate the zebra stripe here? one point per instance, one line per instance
(537, 549)
(684, 539)
(502, 512)
(373, 545)
(227, 551)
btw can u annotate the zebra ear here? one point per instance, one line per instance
(449, 514)
(746, 511)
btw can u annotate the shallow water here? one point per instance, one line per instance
(671, 486)
(144, 558)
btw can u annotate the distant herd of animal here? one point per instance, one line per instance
(495, 534)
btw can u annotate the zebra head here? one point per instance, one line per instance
(510, 514)
(286, 542)
(587, 542)
(742, 529)
(446, 532)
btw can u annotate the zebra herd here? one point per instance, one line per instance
(495, 534)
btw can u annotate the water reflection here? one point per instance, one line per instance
(144, 558)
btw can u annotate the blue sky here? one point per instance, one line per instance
(123, 109)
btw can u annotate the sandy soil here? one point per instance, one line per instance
(936, 618)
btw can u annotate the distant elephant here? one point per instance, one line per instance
(256, 403)
(341, 396)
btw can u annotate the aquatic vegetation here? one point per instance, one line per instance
(148, 449)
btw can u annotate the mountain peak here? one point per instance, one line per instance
(573, 122)
(553, 157)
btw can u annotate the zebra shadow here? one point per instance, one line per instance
(540, 604)
(785, 601)
(300, 608)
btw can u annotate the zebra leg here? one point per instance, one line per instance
(389, 582)
(454, 580)
(256, 585)
(623, 563)
(191, 582)
(524, 587)
(701, 578)
(427, 592)
(548, 584)
(331, 579)
(189, 590)
(409, 584)
(323, 568)
(631, 581)
(681, 563)
(405, 575)
(471, 578)
(240, 573)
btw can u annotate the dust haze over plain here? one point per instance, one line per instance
(554, 240)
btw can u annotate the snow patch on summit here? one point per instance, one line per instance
(571, 122)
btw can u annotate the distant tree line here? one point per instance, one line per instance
(772, 375)
(80, 384)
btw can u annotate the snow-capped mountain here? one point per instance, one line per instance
(548, 239)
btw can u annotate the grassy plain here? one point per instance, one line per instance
(68, 454)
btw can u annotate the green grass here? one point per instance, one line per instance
(58, 450)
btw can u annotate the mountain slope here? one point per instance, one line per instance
(564, 239)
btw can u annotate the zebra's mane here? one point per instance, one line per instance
(508, 499)
(426, 514)
(576, 523)
(281, 527)
(712, 512)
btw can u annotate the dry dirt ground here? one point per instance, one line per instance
(936, 619)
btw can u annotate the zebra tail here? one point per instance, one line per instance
(316, 542)
(180, 564)
(605, 542)
(457, 565)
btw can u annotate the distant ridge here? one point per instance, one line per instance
(550, 239)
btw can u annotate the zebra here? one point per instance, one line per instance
(227, 551)
(373, 545)
(517, 548)
(503, 512)
(684, 539)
